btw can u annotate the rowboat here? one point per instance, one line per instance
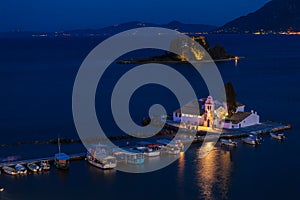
(44, 165)
(228, 142)
(252, 140)
(249, 140)
(9, 170)
(279, 136)
(33, 167)
(20, 169)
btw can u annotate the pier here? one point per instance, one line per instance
(259, 129)
(73, 157)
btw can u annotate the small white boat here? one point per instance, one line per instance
(249, 141)
(279, 136)
(172, 150)
(21, 169)
(228, 142)
(180, 143)
(1, 189)
(252, 140)
(45, 165)
(101, 160)
(169, 147)
(148, 149)
(9, 170)
(33, 167)
(151, 152)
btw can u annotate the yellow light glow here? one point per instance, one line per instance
(212, 169)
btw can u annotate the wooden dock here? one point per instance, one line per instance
(73, 157)
(260, 129)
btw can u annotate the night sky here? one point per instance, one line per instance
(56, 15)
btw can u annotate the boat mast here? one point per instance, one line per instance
(58, 142)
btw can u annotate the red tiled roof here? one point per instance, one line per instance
(239, 116)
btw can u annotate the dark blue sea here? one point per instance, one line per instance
(36, 83)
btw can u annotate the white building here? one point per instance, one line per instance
(213, 114)
(242, 119)
(190, 118)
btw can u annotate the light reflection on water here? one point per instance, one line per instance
(181, 179)
(213, 173)
(181, 165)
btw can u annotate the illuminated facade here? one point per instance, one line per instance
(213, 114)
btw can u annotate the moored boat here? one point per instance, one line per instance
(172, 150)
(249, 141)
(169, 147)
(228, 142)
(148, 149)
(151, 152)
(279, 136)
(9, 170)
(20, 169)
(61, 161)
(33, 167)
(252, 139)
(101, 160)
(129, 156)
(180, 143)
(45, 165)
(134, 157)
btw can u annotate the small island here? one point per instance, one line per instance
(217, 53)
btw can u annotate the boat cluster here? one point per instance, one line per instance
(104, 157)
(32, 167)
(252, 139)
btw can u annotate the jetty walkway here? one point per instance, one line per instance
(73, 157)
(259, 129)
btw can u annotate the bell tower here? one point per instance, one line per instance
(209, 112)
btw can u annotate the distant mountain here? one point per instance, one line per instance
(190, 28)
(276, 15)
(111, 30)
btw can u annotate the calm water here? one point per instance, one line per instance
(36, 80)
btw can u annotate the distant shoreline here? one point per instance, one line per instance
(137, 61)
